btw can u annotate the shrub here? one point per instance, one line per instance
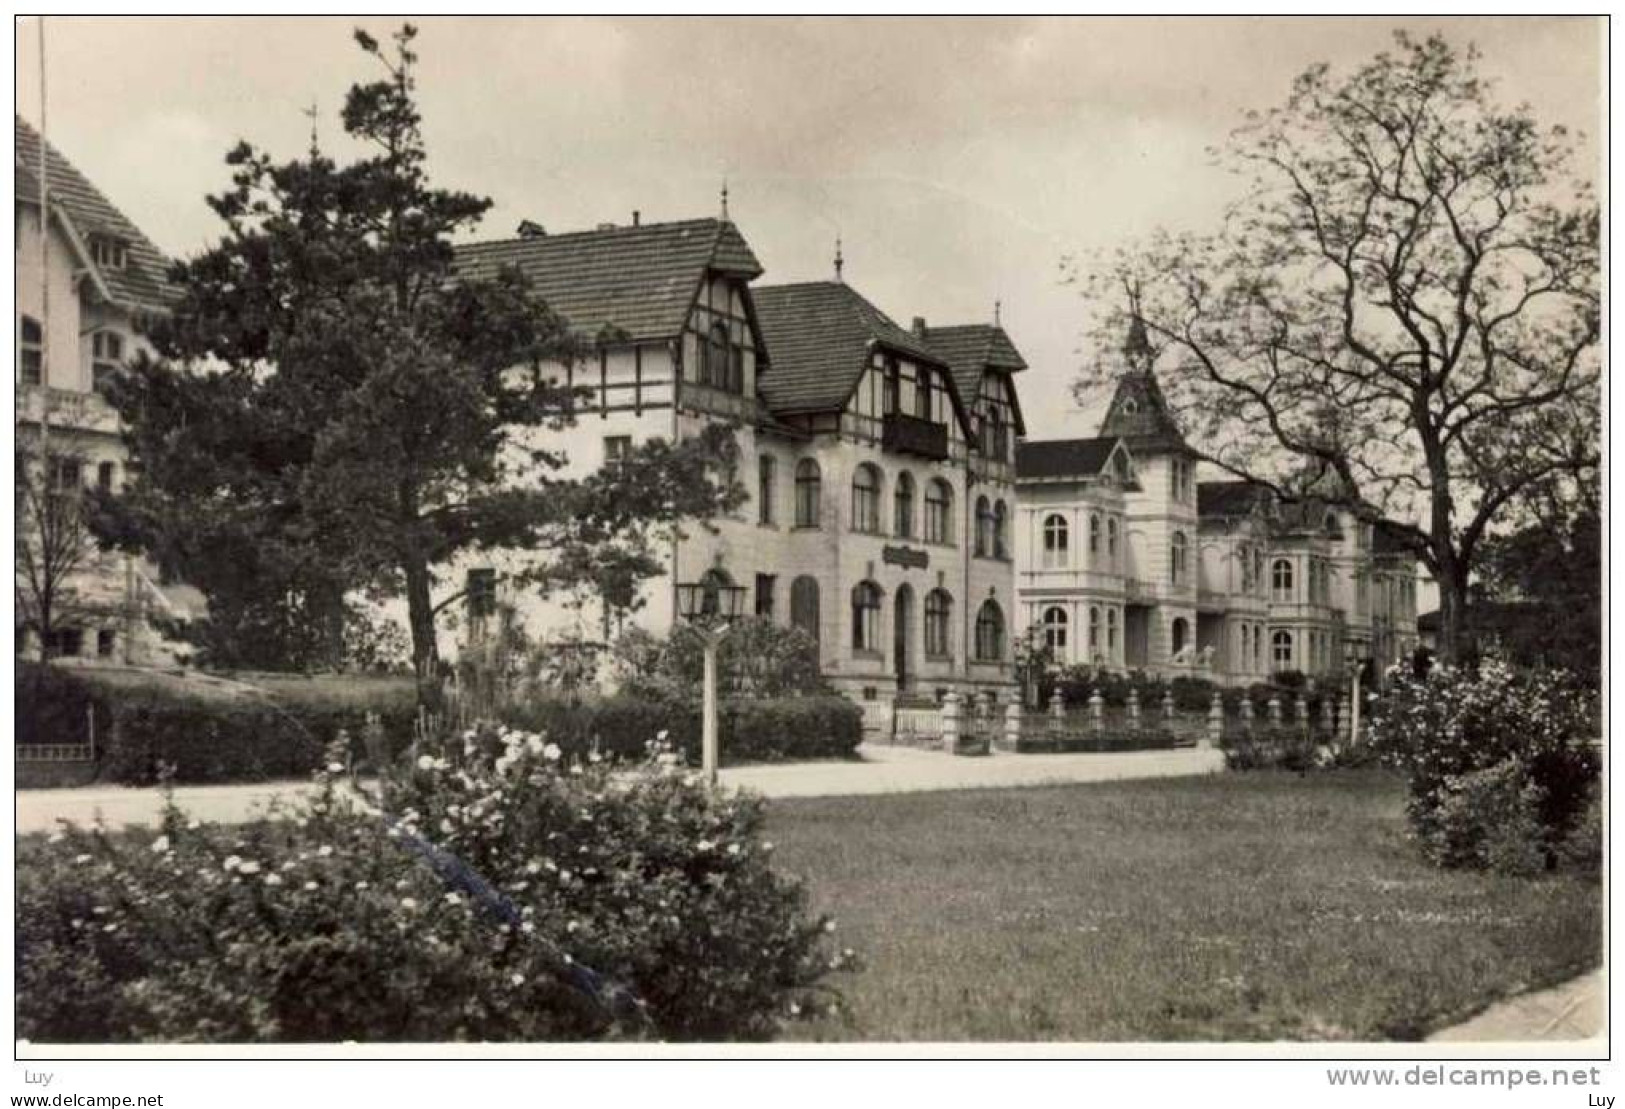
(1450, 724)
(758, 658)
(748, 729)
(519, 896)
(1269, 748)
(1486, 820)
(1581, 849)
(54, 705)
(1192, 694)
(231, 740)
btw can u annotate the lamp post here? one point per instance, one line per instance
(1351, 659)
(710, 606)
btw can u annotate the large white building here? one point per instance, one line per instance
(87, 280)
(1125, 560)
(879, 459)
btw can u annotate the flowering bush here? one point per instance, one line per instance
(518, 896)
(1532, 728)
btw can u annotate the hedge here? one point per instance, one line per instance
(749, 730)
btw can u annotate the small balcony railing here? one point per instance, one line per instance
(912, 435)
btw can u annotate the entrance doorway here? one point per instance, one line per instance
(902, 625)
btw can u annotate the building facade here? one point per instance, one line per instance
(1125, 560)
(87, 280)
(879, 460)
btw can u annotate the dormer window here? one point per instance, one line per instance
(108, 253)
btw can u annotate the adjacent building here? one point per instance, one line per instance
(879, 459)
(1125, 560)
(87, 281)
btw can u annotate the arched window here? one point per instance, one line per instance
(804, 605)
(1055, 630)
(984, 527)
(1176, 558)
(1094, 535)
(1001, 531)
(1281, 581)
(939, 607)
(1055, 541)
(866, 499)
(866, 616)
(903, 498)
(1094, 628)
(809, 485)
(106, 356)
(989, 632)
(939, 500)
(1281, 644)
(30, 351)
(1111, 540)
(1181, 633)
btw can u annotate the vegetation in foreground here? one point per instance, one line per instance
(1264, 906)
(511, 894)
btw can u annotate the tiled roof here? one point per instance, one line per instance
(1139, 415)
(1061, 458)
(818, 336)
(1228, 498)
(972, 349)
(143, 282)
(639, 280)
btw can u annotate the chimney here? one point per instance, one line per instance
(637, 218)
(529, 229)
(919, 327)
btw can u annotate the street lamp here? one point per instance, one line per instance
(1351, 659)
(710, 606)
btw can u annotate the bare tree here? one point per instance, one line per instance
(1405, 305)
(54, 545)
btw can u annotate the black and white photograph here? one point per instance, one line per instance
(810, 537)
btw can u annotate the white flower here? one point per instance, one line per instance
(363, 885)
(704, 845)
(160, 845)
(829, 926)
(527, 927)
(232, 863)
(81, 859)
(572, 926)
(273, 879)
(409, 903)
(249, 867)
(310, 885)
(454, 898)
(733, 849)
(335, 768)
(518, 979)
(425, 762)
(327, 849)
(552, 753)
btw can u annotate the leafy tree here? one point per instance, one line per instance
(54, 546)
(1404, 307)
(339, 407)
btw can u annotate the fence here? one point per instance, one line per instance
(82, 750)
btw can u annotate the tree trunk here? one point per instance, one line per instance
(1452, 613)
(420, 615)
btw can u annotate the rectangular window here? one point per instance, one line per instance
(105, 642)
(764, 595)
(482, 593)
(109, 253)
(764, 489)
(617, 449)
(104, 476)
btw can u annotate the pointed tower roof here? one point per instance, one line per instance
(1139, 413)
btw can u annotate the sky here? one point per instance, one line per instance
(959, 160)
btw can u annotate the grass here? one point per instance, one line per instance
(1237, 907)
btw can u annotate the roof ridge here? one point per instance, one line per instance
(555, 236)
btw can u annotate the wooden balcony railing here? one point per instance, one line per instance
(912, 435)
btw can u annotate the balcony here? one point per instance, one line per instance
(66, 408)
(912, 435)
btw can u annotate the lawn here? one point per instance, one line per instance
(1236, 907)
